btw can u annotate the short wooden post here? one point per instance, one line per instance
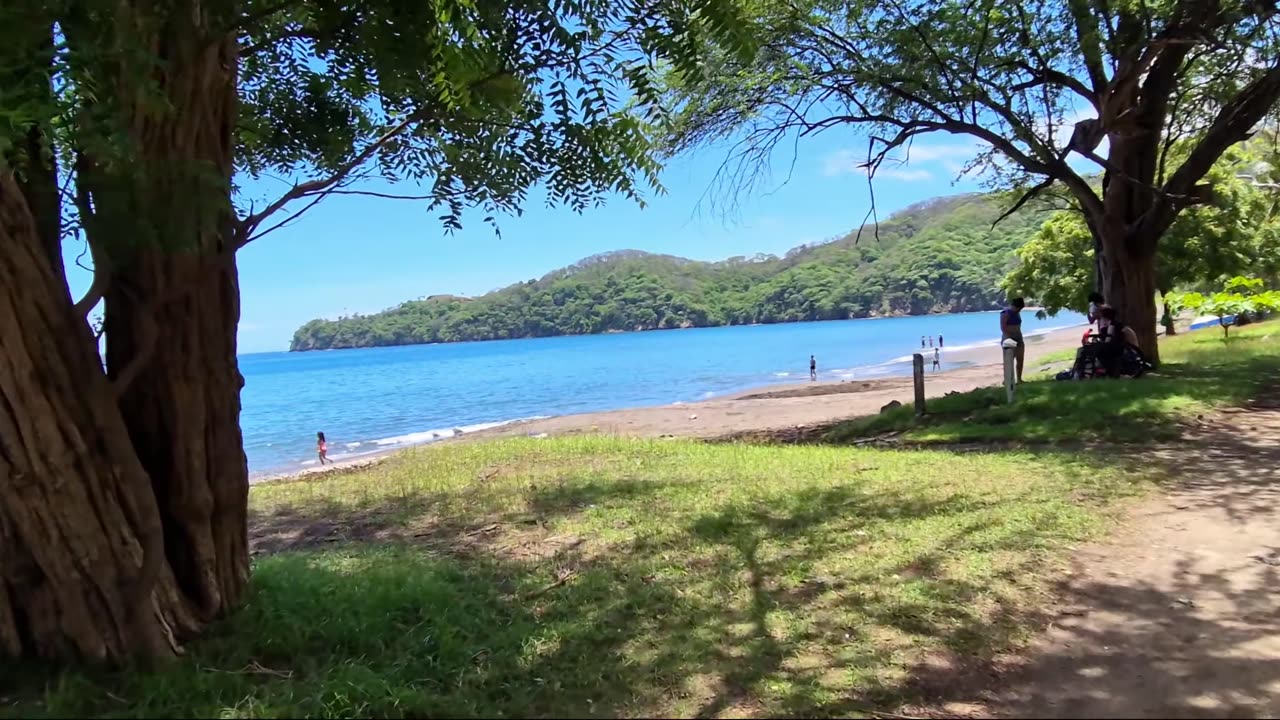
(1010, 369)
(917, 370)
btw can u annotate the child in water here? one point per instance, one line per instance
(322, 448)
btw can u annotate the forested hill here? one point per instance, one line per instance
(937, 256)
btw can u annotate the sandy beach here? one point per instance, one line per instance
(764, 409)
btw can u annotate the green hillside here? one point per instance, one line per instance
(937, 256)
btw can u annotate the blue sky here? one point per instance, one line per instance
(361, 254)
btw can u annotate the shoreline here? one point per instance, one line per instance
(759, 409)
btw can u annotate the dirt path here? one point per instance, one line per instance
(1178, 615)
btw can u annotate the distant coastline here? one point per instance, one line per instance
(936, 257)
(617, 331)
(759, 409)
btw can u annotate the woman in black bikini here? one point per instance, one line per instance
(1011, 329)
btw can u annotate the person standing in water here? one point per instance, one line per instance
(921, 342)
(813, 368)
(1011, 329)
(937, 359)
(939, 341)
(322, 449)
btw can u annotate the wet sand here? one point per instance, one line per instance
(792, 405)
(765, 409)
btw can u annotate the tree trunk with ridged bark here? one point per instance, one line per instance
(82, 565)
(172, 304)
(124, 498)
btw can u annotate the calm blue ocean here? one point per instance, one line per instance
(377, 398)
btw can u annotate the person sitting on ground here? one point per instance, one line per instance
(1115, 337)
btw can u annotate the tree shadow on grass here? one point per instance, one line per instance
(1126, 649)
(1154, 407)
(770, 607)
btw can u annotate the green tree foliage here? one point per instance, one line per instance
(1239, 296)
(940, 255)
(480, 102)
(128, 124)
(1238, 232)
(1037, 83)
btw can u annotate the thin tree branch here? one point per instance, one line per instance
(245, 240)
(389, 196)
(248, 225)
(101, 280)
(1233, 123)
(1090, 48)
(1033, 192)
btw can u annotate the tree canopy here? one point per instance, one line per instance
(1040, 84)
(1237, 233)
(129, 125)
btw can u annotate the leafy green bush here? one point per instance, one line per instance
(1239, 296)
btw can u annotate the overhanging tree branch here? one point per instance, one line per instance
(1233, 123)
(248, 226)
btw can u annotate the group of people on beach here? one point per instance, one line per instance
(937, 351)
(1107, 349)
(1111, 350)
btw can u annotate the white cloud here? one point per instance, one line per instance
(906, 162)
(894, 173)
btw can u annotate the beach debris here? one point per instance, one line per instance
(456, 432)
(1185, 602)
(1273, 559)
(890, 405)
(882, 438)
(693, 417)
(563, 575)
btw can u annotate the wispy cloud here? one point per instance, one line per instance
(906, 163)
(894, 173)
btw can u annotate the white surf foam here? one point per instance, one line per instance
(426, 436)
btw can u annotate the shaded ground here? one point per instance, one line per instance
(1177, 615)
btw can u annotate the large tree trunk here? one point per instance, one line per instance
(1130, 287)
(171, 336)
(82, 570)
(1129, 259)
(172, 306)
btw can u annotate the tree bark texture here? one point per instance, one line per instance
(1128, 266)
(172, 305)
(82, 569)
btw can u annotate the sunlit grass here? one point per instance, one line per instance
(1199, 373)
(601, 577)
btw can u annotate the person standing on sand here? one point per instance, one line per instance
(937, 359)
(1011, 329)
(322, 449)
(813, 368)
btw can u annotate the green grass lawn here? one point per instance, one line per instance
(604, 577)
(1199, 373)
